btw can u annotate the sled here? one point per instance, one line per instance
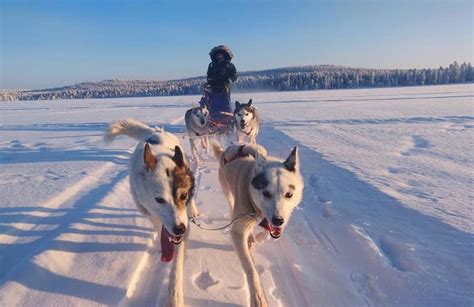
(221, 117)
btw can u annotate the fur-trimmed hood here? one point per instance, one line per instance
(221, 49)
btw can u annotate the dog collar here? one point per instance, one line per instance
(248, 132)
(239, 154)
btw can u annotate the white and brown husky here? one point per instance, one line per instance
(247, 122)
(257, 187)
(162, 187)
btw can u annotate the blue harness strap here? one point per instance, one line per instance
(152, 141)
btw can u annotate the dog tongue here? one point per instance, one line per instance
(167, 247)
(275, 232)
(265, 224)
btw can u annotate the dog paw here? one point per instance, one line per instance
(258, 300)
(176, 300)
(195, 213)
(261, 236)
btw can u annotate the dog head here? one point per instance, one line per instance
(244, 114)
(200, 116)
(168, 188)
(276, 189)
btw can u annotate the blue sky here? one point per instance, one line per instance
(54, 43)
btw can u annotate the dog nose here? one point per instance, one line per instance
(277, 220)
(179, 229)
(202, 121)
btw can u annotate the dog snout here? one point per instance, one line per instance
(242, 122)
(179, 229)
(277, 220)
(202, 122)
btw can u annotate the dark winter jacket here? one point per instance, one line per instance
(220, 74)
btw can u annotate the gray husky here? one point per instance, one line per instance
(197, 125)
(162, 186)
(247, 122)
(261, 187)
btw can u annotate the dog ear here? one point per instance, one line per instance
(205, 107)
(261, 156)
(291, 163)
(237, 104)
(260, 181)
(149, 158)
(260, 159)
(178, 157)
(249, 103)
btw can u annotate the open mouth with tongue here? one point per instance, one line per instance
(168, 241)
(275, 232)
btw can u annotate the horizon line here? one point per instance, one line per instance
(242, 72)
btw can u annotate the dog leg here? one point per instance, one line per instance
(205, 141)
(262, 236)
(192, 209)
(194, 151)
(227, 193)
(240, 236)
(239, 138)
(251, 241)
(156, 241)
(176, 286)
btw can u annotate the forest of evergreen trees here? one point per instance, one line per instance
(281, 79)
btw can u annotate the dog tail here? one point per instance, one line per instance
(218, 150)
(130, 127)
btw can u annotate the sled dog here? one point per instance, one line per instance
(162, 187)
(247, 122)
(197, 125)
(258, 188)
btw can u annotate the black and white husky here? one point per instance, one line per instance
(197, 125)
(162, 186)
(247, 122)
(258, 188)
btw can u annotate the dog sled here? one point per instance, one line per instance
(221, 118)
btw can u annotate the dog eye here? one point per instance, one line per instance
(183, 196)
(288, 195)
(267, 194)
(160, 200)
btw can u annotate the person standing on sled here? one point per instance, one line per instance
(220, 73)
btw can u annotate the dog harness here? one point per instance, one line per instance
(239, 154)
(150, 140)
(248, 134)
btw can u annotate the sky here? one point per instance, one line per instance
(61, 42)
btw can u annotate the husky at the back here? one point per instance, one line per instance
(162, 186)
(247, 122)
(197, 125)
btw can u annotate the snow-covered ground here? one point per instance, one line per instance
(387, 215)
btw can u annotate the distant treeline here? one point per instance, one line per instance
(280, 79)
